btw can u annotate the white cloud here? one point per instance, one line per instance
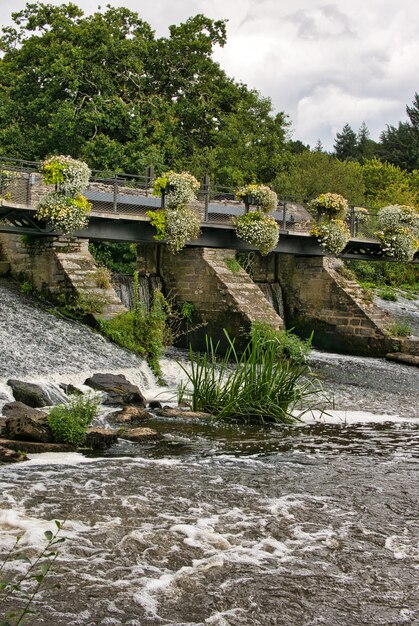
(323, 62)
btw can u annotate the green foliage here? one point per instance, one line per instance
(255, 386)
(386, 183)
(104, 88)
(81, 305)
(102, 277)
(69, 422)
(140, 330)
(25, 588)
(379, 273)
(314, 172)
(120, 258)
(246, 260)
(187, 311)
(346, 144)
(400, 328)
(233, 265)
(285, 342)
(158, 220)
(26, 287)
(388, 294)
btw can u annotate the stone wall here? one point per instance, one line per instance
(58, 266)
(318, 298)
(221, 298)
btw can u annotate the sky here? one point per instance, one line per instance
(323, 63)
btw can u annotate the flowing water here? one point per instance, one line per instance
(313, 524)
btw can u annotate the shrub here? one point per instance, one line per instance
(259, 387)
(69, 422)
(102, 277)
(258, 230)
(141, 331)
(259, 195)
(387, 294)
(333, 235)
(285, 342)
(400, 328)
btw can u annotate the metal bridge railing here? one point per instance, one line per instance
(21, 183)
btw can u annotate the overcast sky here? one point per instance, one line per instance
(323, 63)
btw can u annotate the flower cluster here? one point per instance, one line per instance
(399, 231)
(398, 243)
(361, 215)
(258, 230)
(176, 226)
(64, 213)
(332, 235)
(331, 204)
(260, 195)
(179, 188)
(67, 174)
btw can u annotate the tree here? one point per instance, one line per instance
(400, 146)
(346, 144)
(413, 112)
(366, 148)
(386, 183)
(103, 88)
(314, 173)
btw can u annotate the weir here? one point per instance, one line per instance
(296, 285)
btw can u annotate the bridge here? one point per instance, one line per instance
(120, 203)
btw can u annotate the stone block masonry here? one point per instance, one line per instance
(317, 298)
(58, 267)
(222, 298)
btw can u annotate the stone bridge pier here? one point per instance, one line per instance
(317, 297)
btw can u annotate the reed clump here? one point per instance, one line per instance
(252, 386)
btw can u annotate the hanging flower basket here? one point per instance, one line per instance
(399, 231)
(175, 226)
(332, 235)
(64, 213)
(258, 195)
(67, 174)
(331, 205)
(178, 188)
(258, 230)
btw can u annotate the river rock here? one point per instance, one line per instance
(100, 438)
(25, 423)
(36, 446)
(140, 434)
(167, 411)
(118, 389)
(29, 393)
(11, 456)
(155, 404)
(406, 359)
(130, 415)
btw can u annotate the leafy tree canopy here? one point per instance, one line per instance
(105, 89)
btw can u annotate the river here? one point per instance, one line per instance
(312, 524)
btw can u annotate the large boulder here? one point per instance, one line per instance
(130, 415)
(24, 423)
(29, 393)
(100, 438)
(118, 389)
